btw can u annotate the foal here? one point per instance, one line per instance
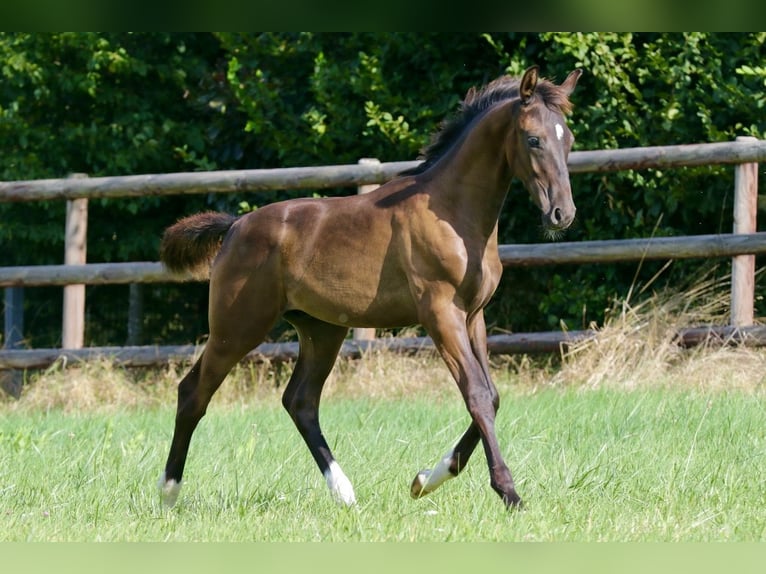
(427, 254)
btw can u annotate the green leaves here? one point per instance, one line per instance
(757, 73)
(396, 130)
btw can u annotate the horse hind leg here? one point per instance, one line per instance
(319, 346)
(233, 333)
(188, 414)
(194, 394)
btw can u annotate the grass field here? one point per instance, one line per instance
(625, 439)
(605, 464)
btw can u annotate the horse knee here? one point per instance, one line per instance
(483, 405)
(290, 401)
(186, 390)
(192, 403)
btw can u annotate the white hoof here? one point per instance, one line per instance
(340, 486)
(428, 480)
(418, 486)
(169, 490)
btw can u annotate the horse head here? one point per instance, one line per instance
(539, 144)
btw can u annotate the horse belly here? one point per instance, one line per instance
(355, 302)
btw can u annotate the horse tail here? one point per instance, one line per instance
(191, 243)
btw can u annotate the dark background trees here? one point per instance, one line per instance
(120, 103)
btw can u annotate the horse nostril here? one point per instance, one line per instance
(556, 216)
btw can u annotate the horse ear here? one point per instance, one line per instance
(528, 84)
(569, 84)
(470, 95)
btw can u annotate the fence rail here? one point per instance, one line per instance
(506, 344)
(527, 255)
(742, 245)
(748, 150)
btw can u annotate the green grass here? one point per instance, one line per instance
(626, 437)
(592, 465)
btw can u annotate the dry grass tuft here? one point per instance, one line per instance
(385, 375)
(98, 385)
(637, 346)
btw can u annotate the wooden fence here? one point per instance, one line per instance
(743, 244)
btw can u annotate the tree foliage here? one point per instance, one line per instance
(120, 103)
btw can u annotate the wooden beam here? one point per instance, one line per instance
(13, 330)
(514, 343)
(576, 252)
(75, 251)
(743, 266)
(90, 274)
(203, 182)
(749, 336)
(664, 157)
(620, 250)
(13, 336)
(353, 175)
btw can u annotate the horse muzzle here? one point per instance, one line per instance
(559, 218)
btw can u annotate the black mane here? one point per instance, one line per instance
(475, 103)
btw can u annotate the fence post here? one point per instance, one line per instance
(75, 247)
(135, 314)
(14, 317)
(13, 334)
(366, 333)
(743, 266)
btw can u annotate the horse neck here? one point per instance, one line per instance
(472, 179)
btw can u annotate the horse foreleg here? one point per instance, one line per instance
(456, 459)
(319, 346)
(449, 466)
(460, 344)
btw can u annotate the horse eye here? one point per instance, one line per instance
(533, 141)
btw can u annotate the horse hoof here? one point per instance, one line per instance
(340, 486)
(169, 490)
(513, 502)
(418, 486)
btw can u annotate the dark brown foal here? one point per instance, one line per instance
(420, 249)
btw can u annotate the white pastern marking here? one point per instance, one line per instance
(339, 485)
(559, 131)
(169, 490)
(430, 480)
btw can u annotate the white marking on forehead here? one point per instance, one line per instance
(559, 131)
